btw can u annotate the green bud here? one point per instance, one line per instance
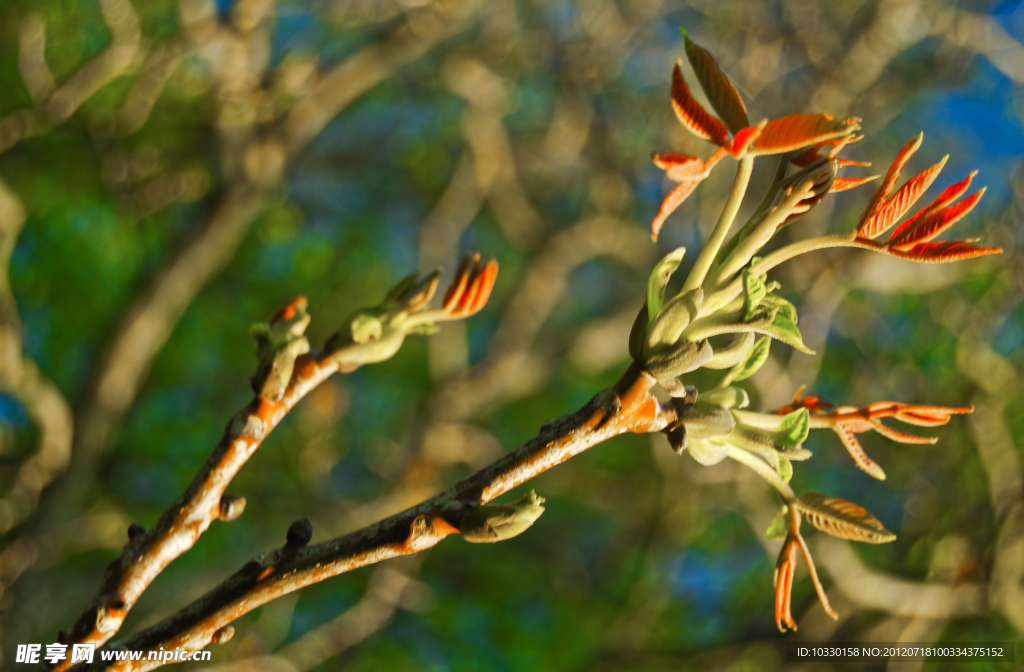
(497, 522)
(366, 328)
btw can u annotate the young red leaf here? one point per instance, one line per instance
(847, 183)
(744, 137)
(692, 114)
(948, 195)
(940, 252)
(928, 416)
(891, 209)
(458, 286)
(891, 176)
(724, 97)
(853, 447)
(669, 205)
(787, 134)
(842, 519)
(680, 167)
(785, 568)
(937, 222)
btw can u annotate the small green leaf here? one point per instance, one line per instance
(783, 329)
(784, 307)
(753, 292)
(793, 429)
(659, 280)
(754, 360)
(778, 528)
(784, 469)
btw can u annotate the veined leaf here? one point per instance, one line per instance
(779, 526)
(890, 210)
(692, 114)
(787, 134)
(847, 183)
(753, 291)
(938, 221)
(754, 360)
(785, 307)
(891, 175)
(794, 428)
(948, 195)
(724, 97)
(842, 519)
(940, 252)
(783, 329)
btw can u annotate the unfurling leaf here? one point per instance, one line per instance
(847, 183)
(935, 223)
(889, 211)
(891, 175)
(940, 252)
(724, 97)
(658, 280)
(692, 114)
(680, 167)
(783, 329)
(689, 171)
(780, 523)
(948, 195)
(856, 451)
(787, 134)
(754, 360)
(784, 470)
(674, 199)
(842, 519)
(794, 428)
(753, 291)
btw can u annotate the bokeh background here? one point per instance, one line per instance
(174, 171)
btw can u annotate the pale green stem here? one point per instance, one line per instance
(732, 206)
(763, 470)
(734, 288)
(768, 227)
(770, 421)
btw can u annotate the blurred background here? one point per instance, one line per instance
(174, 171)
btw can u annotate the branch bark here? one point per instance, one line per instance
(627, 407)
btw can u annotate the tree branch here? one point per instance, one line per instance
(627, 407)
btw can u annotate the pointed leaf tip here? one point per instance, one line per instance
(692, 114)
(842, 519)
(720, 90)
